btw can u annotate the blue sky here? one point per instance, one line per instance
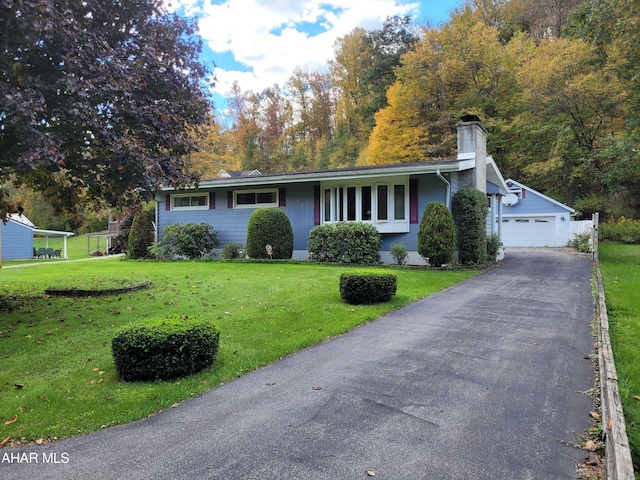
(258, 43)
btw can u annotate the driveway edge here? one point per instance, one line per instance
(617, 454)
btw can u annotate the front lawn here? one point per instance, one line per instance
(58, 378)
(620, 266)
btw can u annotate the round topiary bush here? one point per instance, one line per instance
(437, 234)
(470, 214)
(164, 348)
(269, 226)
(359, 288)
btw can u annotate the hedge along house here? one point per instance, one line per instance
(390, 197)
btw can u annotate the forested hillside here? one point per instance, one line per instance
(556, 83)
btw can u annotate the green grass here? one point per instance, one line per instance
(620, 266)
(58, 375)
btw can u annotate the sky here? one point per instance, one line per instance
(259, 43)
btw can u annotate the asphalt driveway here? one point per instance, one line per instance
(484, 380)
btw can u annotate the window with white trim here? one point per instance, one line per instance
(385, 205)
(190, 201)
(255, 198)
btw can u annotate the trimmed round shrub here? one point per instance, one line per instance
(189, 240)
(437, 234)
(345, 242)
(367, 287)
(164, 348)
(269, 226)
(470, 215)
(140, 236)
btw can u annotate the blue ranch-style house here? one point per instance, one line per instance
(390, 197)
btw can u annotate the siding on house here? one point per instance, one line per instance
(533, 204)
(300, 204)
(231, 223)
(17, 241)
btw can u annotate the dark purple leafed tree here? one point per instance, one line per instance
(98, 99)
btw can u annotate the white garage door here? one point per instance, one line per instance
(528, 231)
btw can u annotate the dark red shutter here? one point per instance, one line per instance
(316, 204)
(282, 200)
(212, 200)
(413, 200)
(167, 204)
(230, 199)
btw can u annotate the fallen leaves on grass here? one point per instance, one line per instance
(11, 420)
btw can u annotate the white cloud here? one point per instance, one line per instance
(270, 38)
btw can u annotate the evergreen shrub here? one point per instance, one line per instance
(470, 214)
(493, 245)
(189, 240)
(367, 287)
(140, 236)
(437, 234)
(269, 226)
(164, 348)
(345, 242)
(399, 253)
(233, 251)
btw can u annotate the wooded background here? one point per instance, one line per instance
(555, 82)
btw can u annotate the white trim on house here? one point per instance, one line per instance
(241, 198)
(365, 200)
(179, 198)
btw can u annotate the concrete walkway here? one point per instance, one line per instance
(481, 381)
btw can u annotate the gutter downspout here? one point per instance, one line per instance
(448, 188)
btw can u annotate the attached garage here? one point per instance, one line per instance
(529, 231)
(531, 219)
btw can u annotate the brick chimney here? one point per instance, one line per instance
(472, 145)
